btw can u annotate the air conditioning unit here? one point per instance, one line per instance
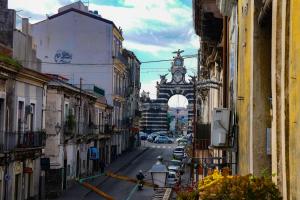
(219, 126)
(29, 109)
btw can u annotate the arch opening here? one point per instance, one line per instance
(177, 115)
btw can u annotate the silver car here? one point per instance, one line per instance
(179, 153)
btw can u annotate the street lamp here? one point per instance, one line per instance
(159, 173)
(57, 128)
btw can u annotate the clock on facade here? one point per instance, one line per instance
(177, 77)
(178, 62)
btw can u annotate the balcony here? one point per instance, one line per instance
(22, 140)
(120, 58)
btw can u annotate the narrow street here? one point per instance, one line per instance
(121, 189)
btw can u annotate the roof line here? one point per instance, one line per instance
(83, 13)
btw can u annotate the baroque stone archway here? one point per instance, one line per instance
(154, 111)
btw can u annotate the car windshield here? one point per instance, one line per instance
(175, 162)
(171, 175)
(179, 149)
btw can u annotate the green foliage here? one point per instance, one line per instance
(10, 61)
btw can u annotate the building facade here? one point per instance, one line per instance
(64, 39)
(22, 105)
(259, 84)
(77, 123)
(132, 93)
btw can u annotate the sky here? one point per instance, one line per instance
(152, 29)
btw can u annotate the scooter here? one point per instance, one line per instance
(140, 186)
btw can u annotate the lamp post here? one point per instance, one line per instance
(159, 173)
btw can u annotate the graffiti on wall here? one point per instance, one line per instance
(62, 57)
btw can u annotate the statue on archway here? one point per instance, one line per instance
(163, 79)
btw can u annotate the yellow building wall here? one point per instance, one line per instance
(294, 101)
(254, 90)
(244, 74)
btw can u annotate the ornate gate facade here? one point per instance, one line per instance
(154, 111)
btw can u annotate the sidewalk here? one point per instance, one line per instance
(78, 192)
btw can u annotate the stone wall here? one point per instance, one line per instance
(7, 24)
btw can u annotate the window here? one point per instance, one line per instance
(66, 110)
(20, 115)
(2, 111)
(83, 164)
(31, 117)
(68, 170)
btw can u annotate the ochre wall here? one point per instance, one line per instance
(254, 89)
(244, 76)
(294, 100)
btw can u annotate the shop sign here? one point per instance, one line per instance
(94, 153)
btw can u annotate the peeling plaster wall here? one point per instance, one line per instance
(254, 90)
(293, 77)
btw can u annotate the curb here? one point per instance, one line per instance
(120, 169)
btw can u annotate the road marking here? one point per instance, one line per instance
(163, 147)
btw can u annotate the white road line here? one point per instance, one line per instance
(163, 147)
(152, 146)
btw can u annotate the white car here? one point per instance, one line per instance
(179, 153)
(172, 178)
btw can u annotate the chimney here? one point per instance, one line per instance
(25, 25)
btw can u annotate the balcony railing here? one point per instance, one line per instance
(86, 129)
(202, 144)
(14, 140)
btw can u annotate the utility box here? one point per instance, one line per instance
(219, 126)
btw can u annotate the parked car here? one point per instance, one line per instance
(174, 168)
(182, 143)
(152, 137)
(143, 136)
(178, 163)
(179, 153)
(172, 178)
(163, 139)
(181, 140)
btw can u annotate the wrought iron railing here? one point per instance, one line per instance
(26, 139)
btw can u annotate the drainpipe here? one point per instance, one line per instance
(225, 66)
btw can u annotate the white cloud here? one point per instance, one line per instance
(135, 16)
(154, 49)
(150, 87)
(42, 7)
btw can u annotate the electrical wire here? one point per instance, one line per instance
(106, 64)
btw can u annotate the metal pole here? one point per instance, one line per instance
(194, 132)
(79, 109)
